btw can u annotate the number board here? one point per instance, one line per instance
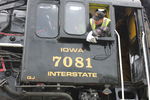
(71, 63)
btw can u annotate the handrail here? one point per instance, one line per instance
(120, 63)
(146, 63)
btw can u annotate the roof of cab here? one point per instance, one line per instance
(128, 3)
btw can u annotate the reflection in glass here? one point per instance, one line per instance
(47, 20)
(75, 18)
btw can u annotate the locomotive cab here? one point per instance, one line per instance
(56, 43)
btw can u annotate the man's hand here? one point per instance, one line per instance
(104, 29)
(91, 38)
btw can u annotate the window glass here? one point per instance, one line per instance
(47, 20)
(4, 16)
(75, 18)
(18, 21)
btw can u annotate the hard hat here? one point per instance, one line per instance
(98, 15)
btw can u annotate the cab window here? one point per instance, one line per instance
(47, 20)
(4, 19)
(75, 22)
(98, 7)
(98, 25)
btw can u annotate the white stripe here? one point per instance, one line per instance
(146, 64)
(10, 45)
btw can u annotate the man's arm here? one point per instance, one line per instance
(102, 31)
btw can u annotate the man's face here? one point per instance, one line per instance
(99, 22)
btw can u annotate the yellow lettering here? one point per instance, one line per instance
(31, 77)
(80, 74)
(52, 74)
(61, 49)
(67, 61)
(71, 74)
(80, 50)
(75, 74)
(58, 73)
(88, 60)
(63, 74)
(79, 62)
(94, 75)
(73, 49)
(84, 75)
(65, 49)
(90, 74)
(56, 59)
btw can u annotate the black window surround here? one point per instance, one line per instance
(47, 20)
(75, 15)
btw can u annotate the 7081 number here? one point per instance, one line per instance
(68, 62)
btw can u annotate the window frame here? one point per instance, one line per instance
(63, 35)
(111, 16)
(65, 18)
(64, 10)
(50, 3)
